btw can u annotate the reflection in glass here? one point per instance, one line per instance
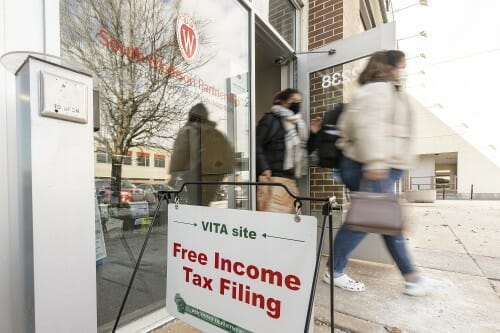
(201, 152)
(147, 89)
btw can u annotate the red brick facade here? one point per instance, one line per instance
(325, 26)
(281, 17)
(325, 22)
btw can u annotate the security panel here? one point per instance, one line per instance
(63, 98)
(46, 235)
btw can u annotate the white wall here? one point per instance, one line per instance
(5, 313)
(474, 168)
(434, 136)
(352, 23)
(425, 168)
(21, 28)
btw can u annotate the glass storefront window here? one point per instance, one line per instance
(173, 80)
(281, 14)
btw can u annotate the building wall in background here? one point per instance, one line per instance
(422, 175)
(352, 18)
(433, 136)
(134, 172)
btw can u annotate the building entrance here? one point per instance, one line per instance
(271, 75)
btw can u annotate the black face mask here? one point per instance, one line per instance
(295, 107)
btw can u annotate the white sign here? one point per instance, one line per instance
(63, 98)
(239, 84)
(239, 271)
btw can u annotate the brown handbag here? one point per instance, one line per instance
(275, 198)
(375, 212)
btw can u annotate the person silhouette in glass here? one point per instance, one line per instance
(201, 153)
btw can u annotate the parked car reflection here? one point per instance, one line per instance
(150, 193)
(129, 192)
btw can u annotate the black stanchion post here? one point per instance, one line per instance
(332, 287)
(315, 276)
(471, 191)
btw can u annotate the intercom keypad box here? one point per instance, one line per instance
(63, 98)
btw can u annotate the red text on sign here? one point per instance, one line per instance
(197, 279)
(243, 293)
(265, 275)
(191, 255)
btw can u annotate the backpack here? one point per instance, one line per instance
(328, 153)
(274, 128)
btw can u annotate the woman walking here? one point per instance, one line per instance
(376, 131)
(281, 140)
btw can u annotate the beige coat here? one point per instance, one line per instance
(376, 128)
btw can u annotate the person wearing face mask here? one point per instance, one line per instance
(281, 141)
(376, 133)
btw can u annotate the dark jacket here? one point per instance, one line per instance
(270, 146)
(201, 149)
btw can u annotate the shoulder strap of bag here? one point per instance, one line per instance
(274, 128)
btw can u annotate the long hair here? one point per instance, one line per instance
(284, 95)
(380, 66)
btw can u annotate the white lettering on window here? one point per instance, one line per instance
(338, 78)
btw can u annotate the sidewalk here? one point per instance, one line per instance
(454, 241)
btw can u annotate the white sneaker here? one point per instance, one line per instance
(344, 282)
(326, 277)
(423, 286)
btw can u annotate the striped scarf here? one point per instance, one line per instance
(295, 138)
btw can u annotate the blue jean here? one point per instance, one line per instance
(346, 240)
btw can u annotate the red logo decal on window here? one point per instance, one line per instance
(187, 37)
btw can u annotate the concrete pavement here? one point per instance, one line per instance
(457, 242)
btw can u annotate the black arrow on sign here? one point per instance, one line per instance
(290, 239)
(193, 224)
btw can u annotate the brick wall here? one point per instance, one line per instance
(325, 22)
(281, 17)
(325, 26)
(321, 100)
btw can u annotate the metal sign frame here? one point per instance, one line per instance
(329, 206)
